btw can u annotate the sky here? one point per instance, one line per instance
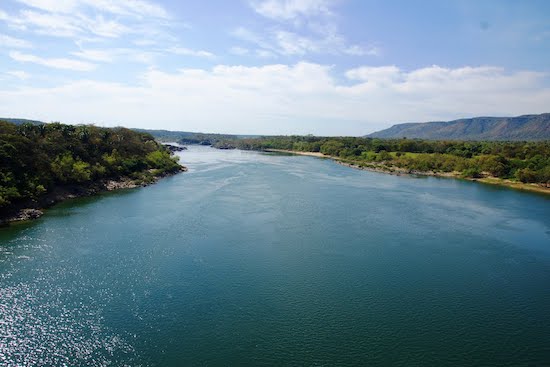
(323, 67)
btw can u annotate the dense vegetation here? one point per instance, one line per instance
(36, 158)
(521, 128)
(523, 161)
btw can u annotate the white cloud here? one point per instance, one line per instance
(96, 55)
(11, 42)
(290, 9)
(249, 36)
(110, 55)
(240, 51)
(85, 18)
(302, 27)
(137, 8)
(264, 54)
(54, 6)
(274, 99)
(293, 44)
(105, 28)
(65, 25)
(357, 50)
(134, 8)
(57, 63)
(284, 42)
(19, 74)
(190, 52)
(44, 23)
(144, 42)
(386, 74)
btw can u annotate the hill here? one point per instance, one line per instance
(166, 135)
(521, 128)
(186, 137)
(21, 121)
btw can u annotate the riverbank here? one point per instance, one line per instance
(34, 209)
(383, 168)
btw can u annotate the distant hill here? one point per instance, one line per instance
(166, 135)
(527, 127)
(186, 137)
(21, 121)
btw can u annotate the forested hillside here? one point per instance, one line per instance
(34, 159)
(527, 127)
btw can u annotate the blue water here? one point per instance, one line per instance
(263, 259)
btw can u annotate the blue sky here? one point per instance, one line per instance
(326, 67)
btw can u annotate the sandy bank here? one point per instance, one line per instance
(311, 154)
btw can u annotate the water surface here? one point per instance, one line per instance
(263, 259)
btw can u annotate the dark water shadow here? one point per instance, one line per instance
(65, 208)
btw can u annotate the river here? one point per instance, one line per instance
(269, 259)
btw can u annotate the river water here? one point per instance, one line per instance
(265, 259)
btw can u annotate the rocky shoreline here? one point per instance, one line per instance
(29, 210)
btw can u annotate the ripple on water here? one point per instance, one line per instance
(251, 259)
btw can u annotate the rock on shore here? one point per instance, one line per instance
(25, 214)
(34, 209)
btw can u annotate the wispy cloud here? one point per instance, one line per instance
(136, 8)
(57, 63)
(190, 52)
(240, 51)
(65, 25)
(19, 74)
(249, 36)
(361, 51)
(112, 55)
(107, 55)
(105, 24)
(85, 18)
(301, 27)
(54, 6)
(290, 43)
(291, 9)
(12, 42)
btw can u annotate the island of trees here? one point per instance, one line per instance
(489, 161)
(41, 164)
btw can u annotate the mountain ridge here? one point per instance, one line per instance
(525, 127)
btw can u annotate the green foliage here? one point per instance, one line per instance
(472, 172)
(161, 160)
(66, 169)
(526, 175)
(35, 158)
